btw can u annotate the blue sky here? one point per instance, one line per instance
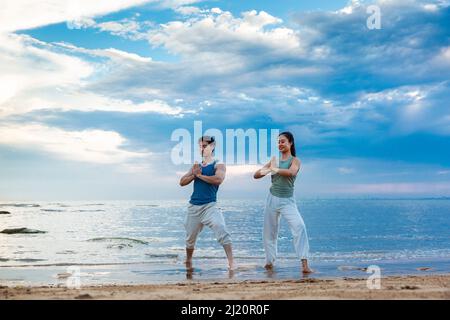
(91, 93)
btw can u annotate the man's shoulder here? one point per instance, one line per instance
(219, 164)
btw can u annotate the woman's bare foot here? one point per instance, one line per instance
(305, 268)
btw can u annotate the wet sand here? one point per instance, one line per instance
(392, 287)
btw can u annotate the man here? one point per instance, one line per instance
(202, 210)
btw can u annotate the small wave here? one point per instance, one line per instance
(162, 255)
(53, 210)
(29, 260)
(87, 210)
(21, 205)
(66, 252)
(69, 264)
(349, 268)
(59, 204)
(120, 239)
(147, 205)
(92, 204)
(25, 251)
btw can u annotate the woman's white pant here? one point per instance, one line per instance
(276, 208)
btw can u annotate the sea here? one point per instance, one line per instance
(142, 242)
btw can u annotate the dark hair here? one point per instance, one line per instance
(209, 140)
(290, 138)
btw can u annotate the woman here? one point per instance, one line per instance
(281, 202)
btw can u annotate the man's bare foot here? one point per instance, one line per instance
(269, 266)
(231, 266)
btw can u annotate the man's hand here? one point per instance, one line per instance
(196, 169)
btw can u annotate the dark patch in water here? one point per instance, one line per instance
(29, 260)
(163, 255)
(66, 252)
(122, 242)
(21, 230)
(97, 210)
(59, 205)
(5, 212)
(22, 205)
(22, 252)
(53, 210)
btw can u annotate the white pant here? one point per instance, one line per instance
(205, 215)
(286, 207)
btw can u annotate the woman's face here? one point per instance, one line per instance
(283, 144)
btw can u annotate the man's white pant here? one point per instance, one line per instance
(205, 215)
(286, 207)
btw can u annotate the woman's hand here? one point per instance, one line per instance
(273, 165)
(269, 167)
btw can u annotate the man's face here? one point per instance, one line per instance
(205, 148)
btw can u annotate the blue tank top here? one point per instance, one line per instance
(205, 192)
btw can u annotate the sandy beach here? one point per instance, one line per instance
(393, 287)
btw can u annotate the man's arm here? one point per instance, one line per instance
(292, 171)
(216, 179)
(188, 177)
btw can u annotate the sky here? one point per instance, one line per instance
(91, 91)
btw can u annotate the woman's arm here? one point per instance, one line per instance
(263, 171)
(291, 172)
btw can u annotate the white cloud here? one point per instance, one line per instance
(126, 28)
(27, 67)
(208, 32)
(188, 10)
(27, 14)
(94, 146)
(36, 77)
(345, 170)
(111, 53)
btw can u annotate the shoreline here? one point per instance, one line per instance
(436, 286)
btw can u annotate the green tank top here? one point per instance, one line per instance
(283, 187)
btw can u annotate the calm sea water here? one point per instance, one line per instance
(143, 241)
